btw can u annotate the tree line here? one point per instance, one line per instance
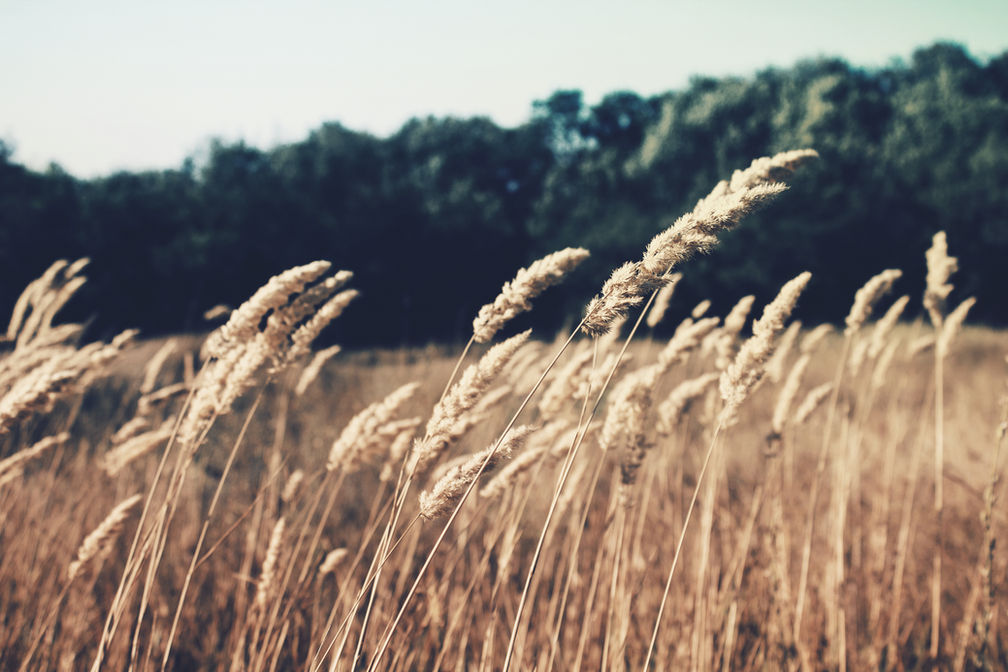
(435, 217)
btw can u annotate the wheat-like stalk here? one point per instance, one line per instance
(313, 369)
(269, 566)
(362, 436)
(101, 539)
(662, 300)
(742, 375)
(866, 298)
(446, 421)
(516, 296)
(940, 268)
(441, 499)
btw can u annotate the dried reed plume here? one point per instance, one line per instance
(11, 467)
(951, 326)
(676, 403)
(885, 325)
(700, 309)
(269, 566)
(101, 539)
(813, 338)
(815, 397)
(544, 447)
(728, 334)
(788, 393)
(362, 434)
(441, 499)
(516, 296)
(332, 560)
(129, 450)
(694, 232)
(687, 337)
(743, 374)
(153, 367)
(625, 428)
(866, 297)
(775, 367)
(449, 414)
(290, 488)
(940, 268)
(311, 371)
(243, 325)
(661, 302)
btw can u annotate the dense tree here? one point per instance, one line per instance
(433, 218)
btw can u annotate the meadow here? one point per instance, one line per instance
(751, 493)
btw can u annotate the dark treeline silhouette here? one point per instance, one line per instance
(434, 218)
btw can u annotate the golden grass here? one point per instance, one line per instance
(294, 520)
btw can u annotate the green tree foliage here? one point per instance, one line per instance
(434, 218)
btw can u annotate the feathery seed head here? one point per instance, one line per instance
(528, 283)
(866, 297)
(940, 268)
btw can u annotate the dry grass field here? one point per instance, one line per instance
(750, 495)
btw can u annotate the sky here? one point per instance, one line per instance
(108, 85)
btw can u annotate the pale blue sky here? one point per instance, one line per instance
(102, 85)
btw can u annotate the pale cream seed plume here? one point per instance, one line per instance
(866, 297)
(397, 451)
(101, 539)
(694, 232)
(682, 395)
(243, 324)
(940, 268)
(775, 367)
(446, 493)
(31, 294)
(728, 335)
(309, 331)
(882, 363)
(313, 369)
(687, 337)
(332, 560)
(662, 300)
(621, 292)
(153, 367)
(952, 325)
(269, 567)
(700, 309)
(742, 375)
(812, 401)
(815, 337)
(361, 434)
(543, 447)
(14, 464)
(858, 354)
(788, 393)
(625, 426)
(919, 345)
(885, 326)
(131, 429)
(516, 296)
(459, 401)
(130, 450)
(559, 392)
(291, 486)
(147, 402)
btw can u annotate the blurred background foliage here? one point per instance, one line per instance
(434, 218)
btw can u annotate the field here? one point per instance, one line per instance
(743, 495)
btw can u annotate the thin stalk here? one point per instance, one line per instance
(465, 496)
(939, 462)
(568, 462)
(682, 537)
(206, 526)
